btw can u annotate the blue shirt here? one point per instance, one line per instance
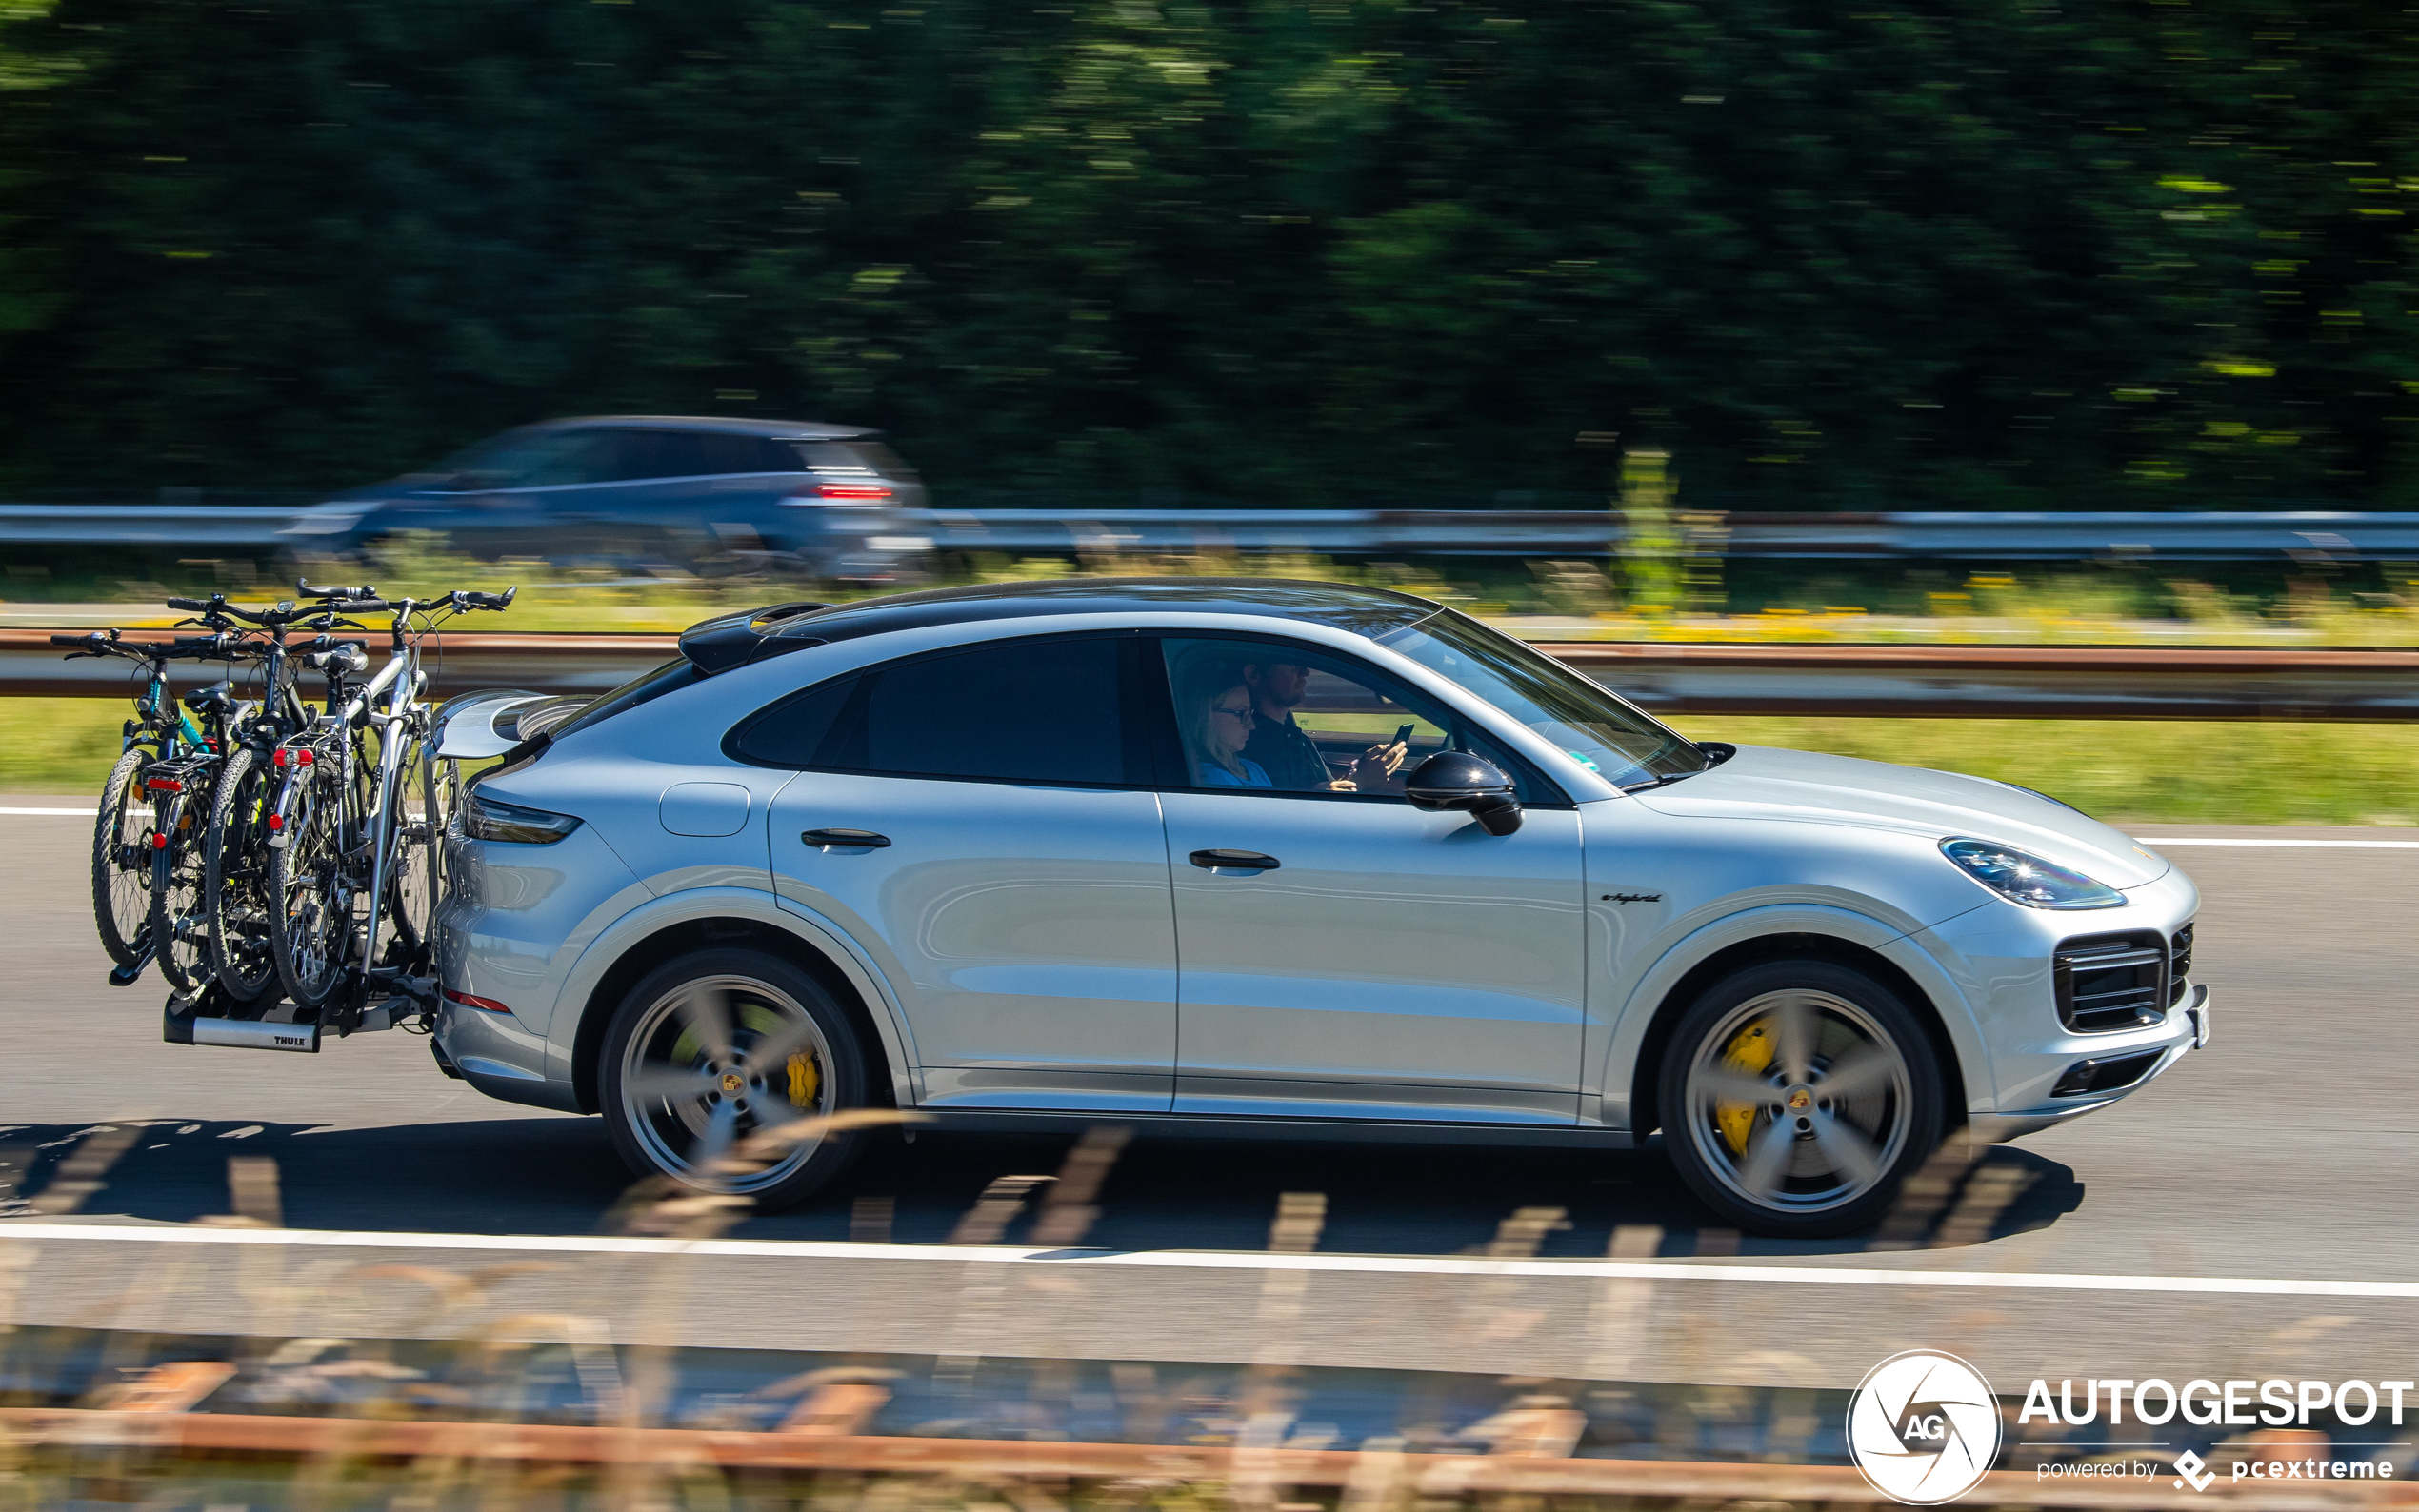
(1213, 775)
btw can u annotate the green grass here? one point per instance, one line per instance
(2221, 772)
(59, 745)
(2129, 772)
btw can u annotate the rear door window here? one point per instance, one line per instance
(643, 454)
(1028, 711)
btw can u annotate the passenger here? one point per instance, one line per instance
(1283, 749)
(1217, 725)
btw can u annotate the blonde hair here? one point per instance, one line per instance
(1202, 690)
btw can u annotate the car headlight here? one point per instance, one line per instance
(2021, 877)
(489, 819)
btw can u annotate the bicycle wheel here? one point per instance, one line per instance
(310, 893)
(179, 928)
(235, 879)
(415, 869)
(122, 860)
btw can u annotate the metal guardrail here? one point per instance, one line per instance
(2206, 536)
(1967, 682)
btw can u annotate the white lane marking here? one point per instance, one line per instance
(53, 813)
(1212, 1259)
(2308, 844)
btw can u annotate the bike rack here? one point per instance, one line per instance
(213, 1018)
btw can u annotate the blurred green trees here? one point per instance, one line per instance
(2147, 254)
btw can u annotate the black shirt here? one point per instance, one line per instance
(1287, 754)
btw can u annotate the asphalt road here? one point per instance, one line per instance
(2282, 1154)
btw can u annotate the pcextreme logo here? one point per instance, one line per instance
(1922, 1426)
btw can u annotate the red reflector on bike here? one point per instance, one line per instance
(159, 840)
(486, 1005)
(276, 822)
(278, 758)
(303, 756)
(164, 784)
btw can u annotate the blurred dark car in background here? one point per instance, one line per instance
(825, 501)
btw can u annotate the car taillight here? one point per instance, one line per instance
(852, 492)
(483, 1004)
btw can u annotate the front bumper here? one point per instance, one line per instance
(1997, 1129)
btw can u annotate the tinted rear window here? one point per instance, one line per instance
(792, 731)
(1049, 711)
(669, 678)
(695, 454)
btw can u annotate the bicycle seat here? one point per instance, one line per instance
(217, 697)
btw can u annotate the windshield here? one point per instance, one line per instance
(1594, 727)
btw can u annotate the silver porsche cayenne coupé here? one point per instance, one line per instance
(1269, 858)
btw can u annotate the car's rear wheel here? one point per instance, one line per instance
(718, 1048)
(1797, 1095)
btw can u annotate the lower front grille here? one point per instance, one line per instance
(2181, 966)
(2111, 982)
(2085, 1077)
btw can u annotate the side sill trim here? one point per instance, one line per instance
(1183, 1126)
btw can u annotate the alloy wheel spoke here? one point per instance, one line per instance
(1849, 1150)
(1866, 1070)
(1726, 1084)
(709, 1014)
(1795, 1052)
(661, 1078)
(1770, 1152)
(722, 1125)
(773, 1052)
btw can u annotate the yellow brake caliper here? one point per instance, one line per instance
(804, 1081)
(1750, 1050)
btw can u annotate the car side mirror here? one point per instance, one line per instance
(1460, 783)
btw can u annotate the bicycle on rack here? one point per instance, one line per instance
(180, 789)
(123, 831)
(230, 905)
(358, 842)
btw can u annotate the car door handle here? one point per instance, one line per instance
(1239, 860)
(864, 839)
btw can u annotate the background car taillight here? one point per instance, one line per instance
(845, 493)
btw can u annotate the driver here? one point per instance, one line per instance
(1282, 747)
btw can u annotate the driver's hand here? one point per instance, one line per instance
(1341, 786)
(1389, 757)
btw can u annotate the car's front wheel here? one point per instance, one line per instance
(1797, 1095)
(713, 1061)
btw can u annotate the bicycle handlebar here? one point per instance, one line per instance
(310, 591)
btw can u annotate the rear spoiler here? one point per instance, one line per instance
(734, 640)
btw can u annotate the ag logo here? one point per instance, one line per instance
(1923, 1427)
